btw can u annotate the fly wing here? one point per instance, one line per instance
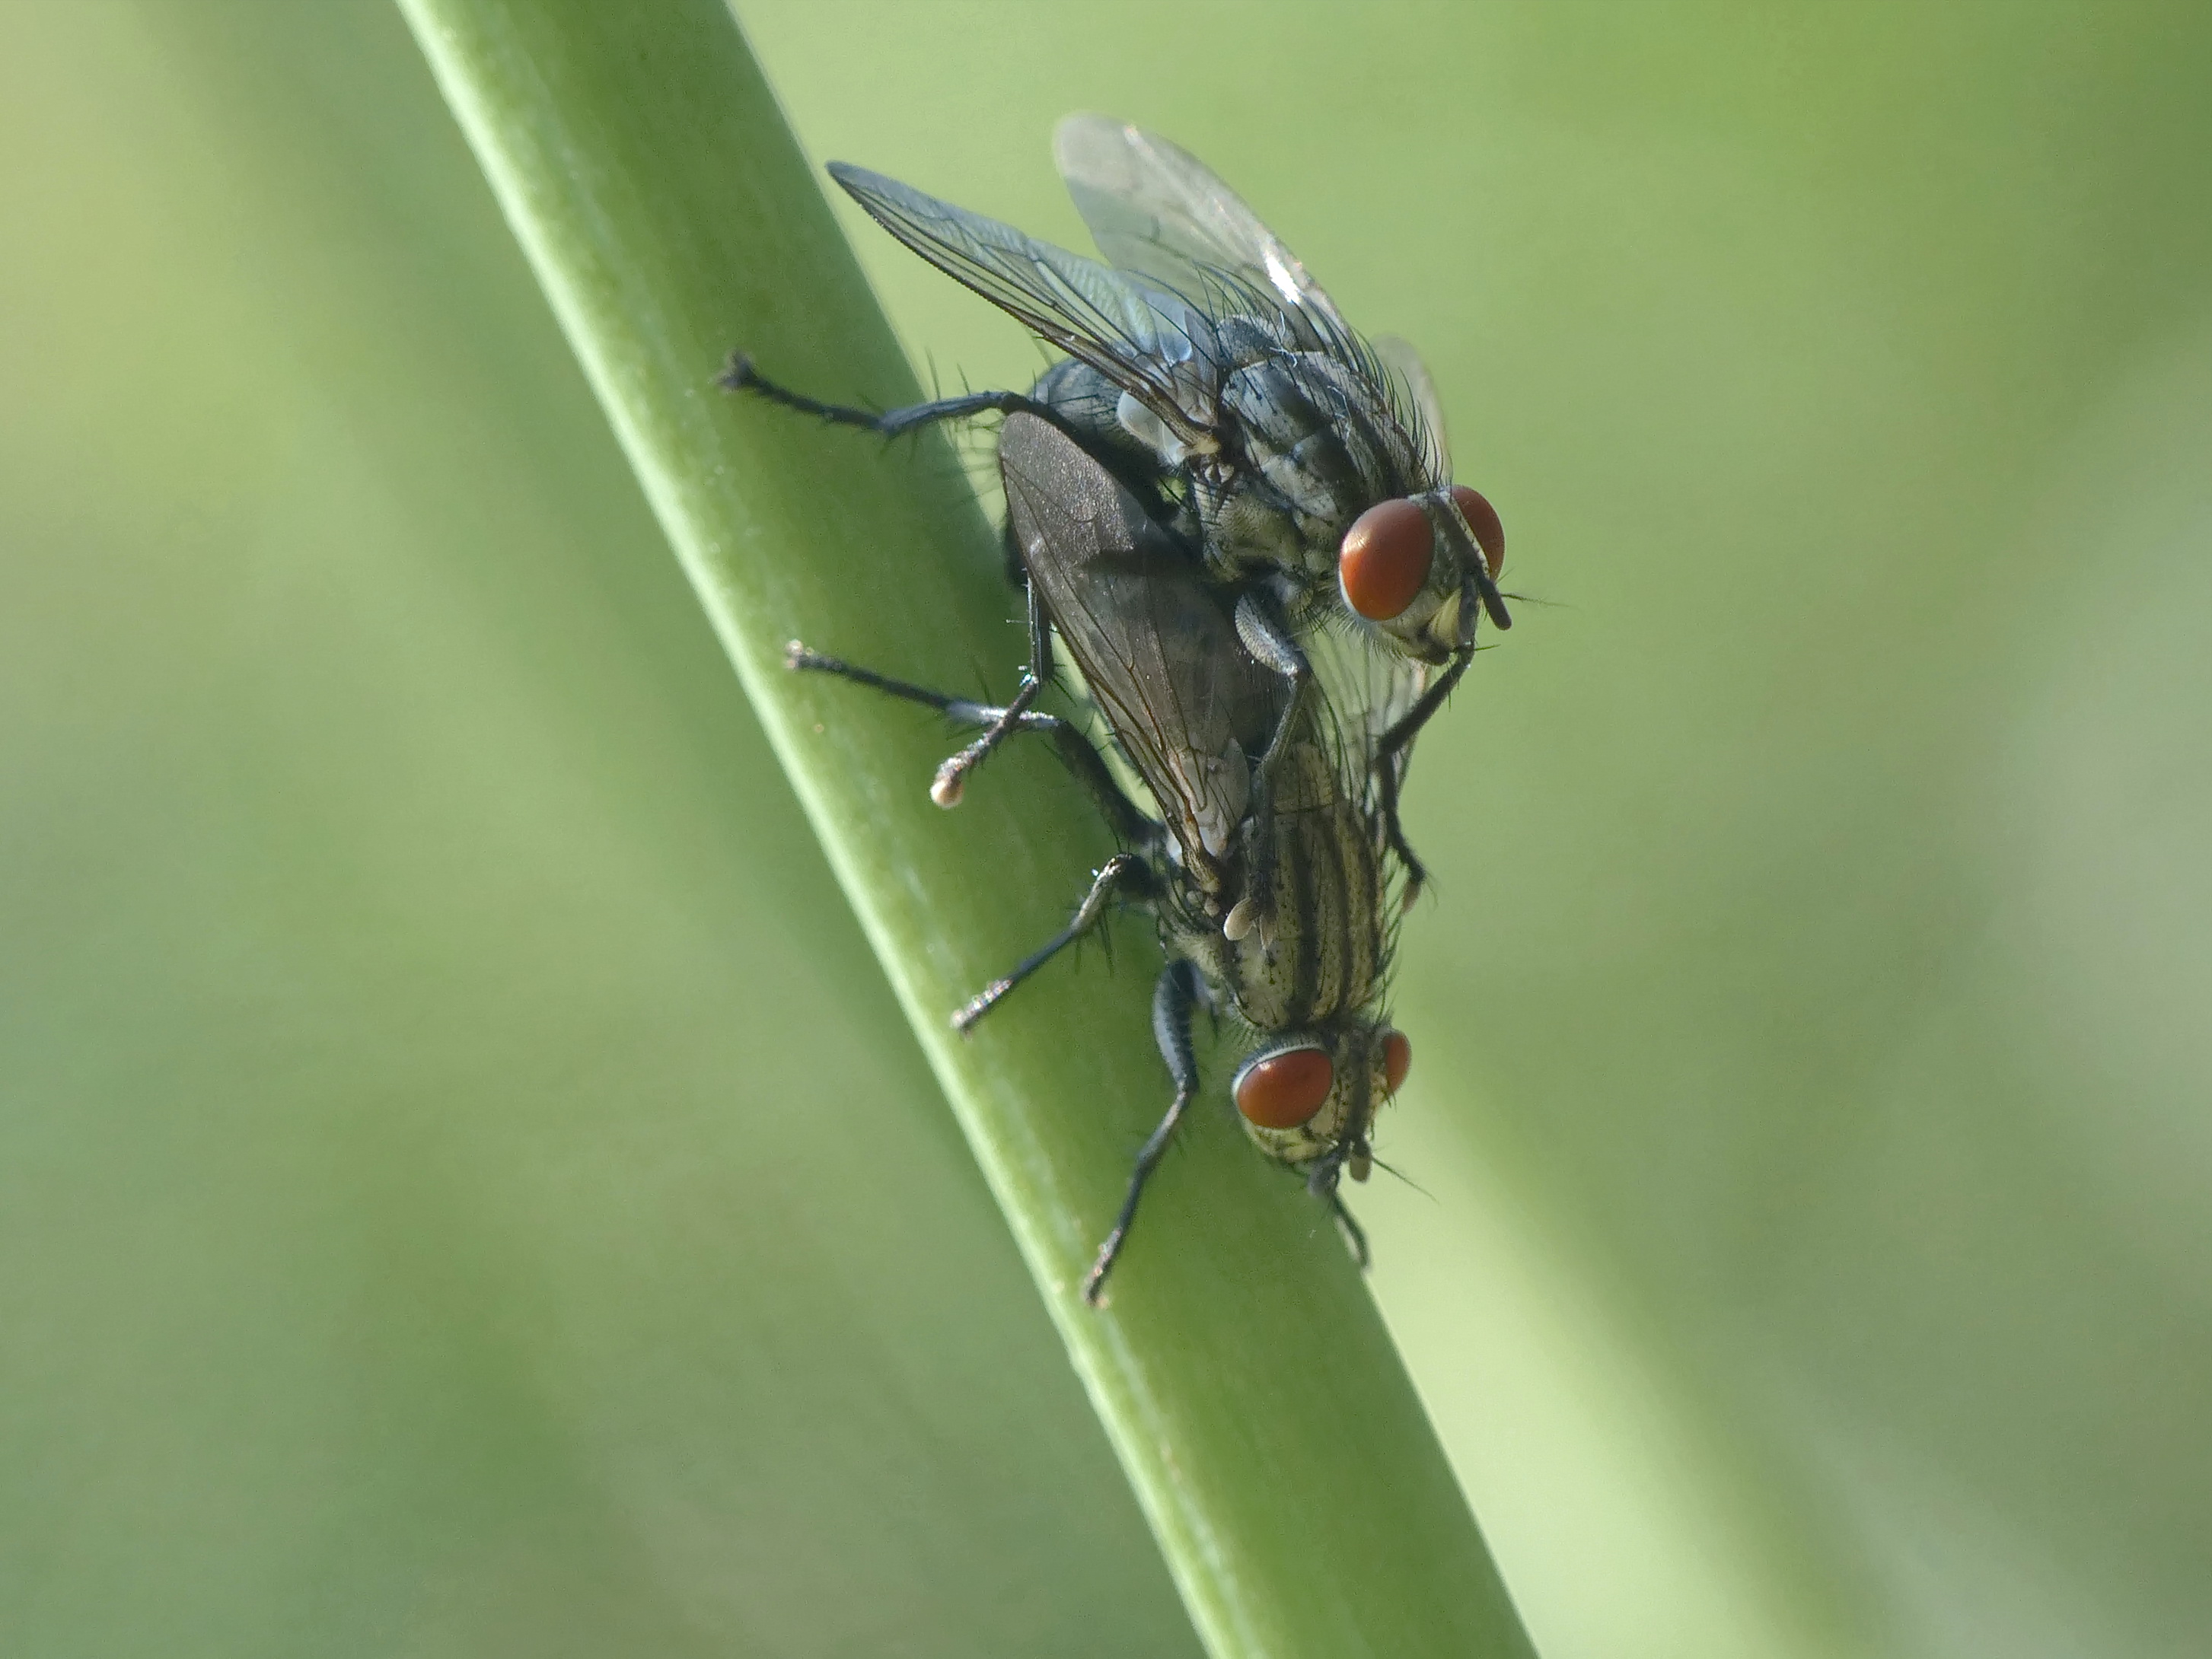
(1366, 688)
(1423, 414)
(1156, 209)
(1149, 342)
(1159, 654)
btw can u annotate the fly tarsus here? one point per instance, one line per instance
(803, 660)
(1130, 825)
(952, 777)
(951, 780)
(742, 376)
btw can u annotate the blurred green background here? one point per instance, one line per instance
(464, 1188)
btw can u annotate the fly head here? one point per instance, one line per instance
(1420, 568)
(1308, 1098)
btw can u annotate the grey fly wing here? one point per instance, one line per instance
(1411, 378)
(1156, 210)
(1367, 689)
(1150, 343)
(1159, 654)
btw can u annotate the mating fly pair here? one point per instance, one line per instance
(1239, 519)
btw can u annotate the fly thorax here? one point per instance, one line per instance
(1187, 930)
(1267, 972)
(1313, 438)
(1245, 339)
(1322, 950)
(1304, 778)
(1249, 527)
(1289, 438)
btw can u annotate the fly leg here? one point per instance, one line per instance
(1354, 1234)
(1130, 824)
(1261, 627)
(742, 376)
(1000, 723)
(1122, 871)
(1071, 395)
(951, 780)
(1390, 768)
(1174, 999)
(1324, 1183)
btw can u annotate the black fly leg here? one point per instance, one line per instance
(952, 776)
(1129, 872)
(1124, 870)
(1174, 999)
(1000, 723)
(1388, 774)
(742, 376)
(1260, 628)
(1072, 395)
(1324, 1180)
(1354, 1234)
(1387, 770)
(1129, 822)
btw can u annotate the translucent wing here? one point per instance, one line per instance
(1405, 366)
(1158, 651)
(1367, 688)
(1156, 209)
(1146, 341)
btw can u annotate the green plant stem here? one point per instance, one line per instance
(1241, 1370)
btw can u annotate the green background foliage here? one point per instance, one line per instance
(1243, 1377)
(437, 1206)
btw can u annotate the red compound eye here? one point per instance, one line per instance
(1397, 1060)
(1385, 557)
(1283, 1089)
(1489, 529)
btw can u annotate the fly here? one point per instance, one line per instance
(1217, 382)
(1188, 709)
